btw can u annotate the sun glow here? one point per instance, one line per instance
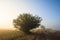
(5, 21)
(5, 16)
(9, 11)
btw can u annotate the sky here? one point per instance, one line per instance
(49, 10)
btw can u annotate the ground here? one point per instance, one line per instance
(16, 35)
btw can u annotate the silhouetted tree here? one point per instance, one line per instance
(25, 22)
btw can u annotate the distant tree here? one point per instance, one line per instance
(25, 22)
(43, 27)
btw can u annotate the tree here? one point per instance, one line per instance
(25, 22)
(43, 27)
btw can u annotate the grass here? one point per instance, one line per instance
(9, 34)
(17, 35)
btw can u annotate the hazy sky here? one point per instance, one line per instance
(49, 10)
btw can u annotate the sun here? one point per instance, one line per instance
(5, 19)
(10, 10)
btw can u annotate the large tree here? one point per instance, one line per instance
(25, 22)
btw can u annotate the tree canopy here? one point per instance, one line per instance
(25, 22)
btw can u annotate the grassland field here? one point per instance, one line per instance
(9, 34)
(17, 35)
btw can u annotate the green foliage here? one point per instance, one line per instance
(25, 22)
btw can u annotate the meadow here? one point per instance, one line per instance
(17, 35)
(10, 35)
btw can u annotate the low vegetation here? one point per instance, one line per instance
(10, 34)
(17, 35)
